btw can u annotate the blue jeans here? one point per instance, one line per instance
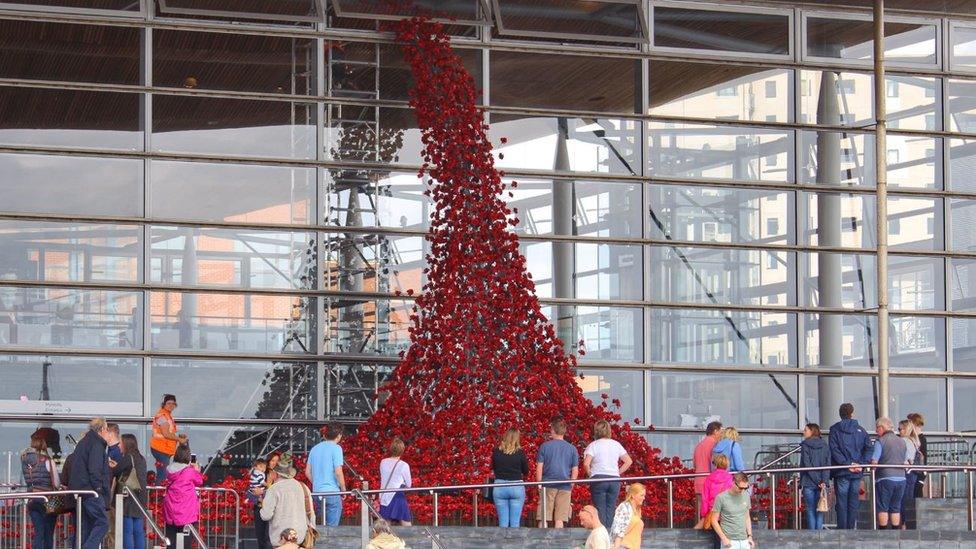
(908, 499)
(43, 525)
(163, 460)
(815, 520)
(847, 489)
(605, 496)
(133, 533)
(333, 509)
(94, 522)
(509, 501)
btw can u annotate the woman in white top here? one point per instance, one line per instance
(605, 458)
(395, 473)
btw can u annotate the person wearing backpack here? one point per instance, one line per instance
(40, 475)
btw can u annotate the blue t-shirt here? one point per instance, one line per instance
(323, 460)
(558, 458)
(114, 452)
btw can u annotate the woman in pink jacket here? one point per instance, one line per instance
(181, 506)
(716, 482)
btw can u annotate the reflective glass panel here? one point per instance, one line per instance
(836, 98)
(365, 326)
(51, 384)
(854, 39)
(232, 257)
(962, 164)
(926, 396)
(962, 105)
(963, 47)
(839, 280)
(609, 333)
(964, 404)
(77, 252)
(915, 223)
(121, 5)
(39, 184)
(238, 389)
(239, 127)
(36, 50)
(708, 275)
(696, 151)
(372, 134)
(567, 19)
(962, 216)
(723, 92)
(720, 214)
(70, 118)
(916, 283)
(964, 342)
(716, 30)
(841, 341)
(861, 391)
(566, 144)
(917, 343)
(374, 263)
(232, 192)
(710, 337)
(395, 199)
(606, 271)
(243, 323)
(962, 284)
(585, 83)
(285, 11)
(850, 217)
(353, 387)
(582, 208)
(623, 389)
(842, 159)
(238, 62)
(912, 103)
(751, 401)
(55, 317)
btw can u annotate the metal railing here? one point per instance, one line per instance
(216, 529)
(867, 469)
(17, 517)
(190, 530)
(367, 511)
(119, 516)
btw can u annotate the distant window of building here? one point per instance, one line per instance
(894, 156)
(847, 119)
(891, 89)
(929, 121)
(894, 226)
(770, 89)
(730, 91)
(930, 225)
(772, 160)
(772, 262)
(845, 86)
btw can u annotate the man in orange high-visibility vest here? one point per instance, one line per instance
(165, 439)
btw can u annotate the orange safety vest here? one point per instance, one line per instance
(160, 443)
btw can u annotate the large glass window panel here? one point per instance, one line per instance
(913, 102)
(238, 127)
(916, 283)
(76, 252)
(592, 208)
(353, 387)
(962, 165)
(962, 216)
(238, 389)
(756, 449)
(14, 433)
(861, 391)
(373, 134)
(118, 5)
(609, 333)
(915, 223)
(365, 198)
(917, 343)
(964, 405)
(463, 10)
(364, 326)
(751, 401)
(191, 256)
(853, 39)
(267, 324)
(926, 396)
(599, 20)
(36, 50)
(238, 62)
(70, 118)
(839, 280)
(736, 277)
(585, 83)
(566, 144)
(836, 98)
(962, 284)
(722, 92)
(721, 214)
(374, 263)
(52, 384)
(914, 161)
(962, 105)
(711, 337)
(55, 317)
(284, 11)
(852, 215)
(838, 159)
(964, 345)
(232, 192)
(717, 30)
(696, 151)
(841, 341)
(963, 48)
(624, 391)
(369, 70)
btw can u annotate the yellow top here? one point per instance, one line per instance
(632, 536)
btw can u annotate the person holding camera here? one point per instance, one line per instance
(181, 505)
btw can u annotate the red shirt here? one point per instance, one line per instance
(703, 461)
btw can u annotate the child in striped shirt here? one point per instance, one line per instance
(255, 488)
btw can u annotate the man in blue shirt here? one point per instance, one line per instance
(324, 469)
(557, 460)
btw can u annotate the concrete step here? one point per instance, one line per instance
(466, 537)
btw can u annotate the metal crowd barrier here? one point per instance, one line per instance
(218, 529)
(17, 530)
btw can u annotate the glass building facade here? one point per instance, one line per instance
(219, 200)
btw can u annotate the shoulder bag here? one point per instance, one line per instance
(823, 504)
(311, 533)
(132, 479)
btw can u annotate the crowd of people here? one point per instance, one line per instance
(285, 512)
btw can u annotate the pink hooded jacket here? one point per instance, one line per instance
(717, 482)
(181, 506)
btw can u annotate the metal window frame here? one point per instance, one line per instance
(641, 21)
(165, 9)
(804, 57)
(788, 13)
(951, 65)
(68, 10)
(483, 4)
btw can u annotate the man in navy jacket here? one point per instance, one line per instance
(89, 471)
(849, 445)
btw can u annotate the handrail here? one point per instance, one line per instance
(678, 476)
(145, 514)
(217, 490)
(781, 458)
(56, 493)
(196, 535)
(22, 495)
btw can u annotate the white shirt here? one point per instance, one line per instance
(606, 454)
(598, 539)
(394, 473)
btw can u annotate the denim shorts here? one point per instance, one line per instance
(890, 493)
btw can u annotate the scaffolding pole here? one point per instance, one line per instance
(881, 175)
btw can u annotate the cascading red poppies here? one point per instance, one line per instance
(483, 357)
